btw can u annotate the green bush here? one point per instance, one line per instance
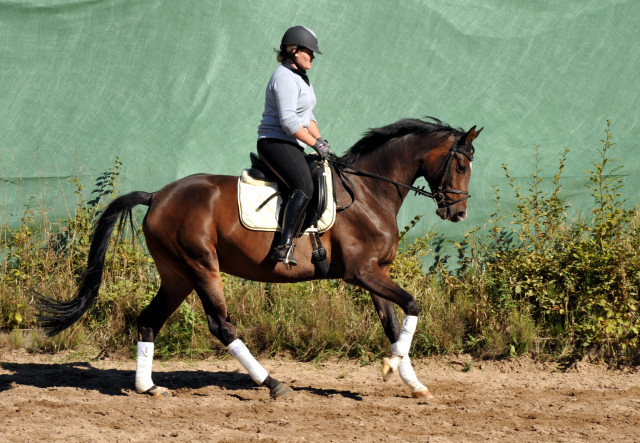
(539, 284)
(575, 282)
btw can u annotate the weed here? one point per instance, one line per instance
(534, 283)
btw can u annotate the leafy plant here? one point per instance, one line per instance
(534, 283)
(574, 282)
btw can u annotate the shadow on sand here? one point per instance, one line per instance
(83, 375)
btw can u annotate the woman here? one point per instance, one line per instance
(287, 127)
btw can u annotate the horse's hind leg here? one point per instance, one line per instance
(173, 291)
(212, 296)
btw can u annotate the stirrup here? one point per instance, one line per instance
(284, 254)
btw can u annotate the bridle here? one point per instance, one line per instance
(439, 196)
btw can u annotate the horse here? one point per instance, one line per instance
(193, 233)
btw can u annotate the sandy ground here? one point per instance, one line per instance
(55, 398)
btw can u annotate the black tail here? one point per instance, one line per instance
(56, 316)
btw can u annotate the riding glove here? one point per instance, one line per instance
(322, 148)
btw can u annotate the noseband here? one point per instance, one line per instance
(439, 196)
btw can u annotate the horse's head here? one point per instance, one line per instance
(447, 168)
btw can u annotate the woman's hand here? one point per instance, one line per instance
(322, 148)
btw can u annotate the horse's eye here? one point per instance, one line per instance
(461, 169)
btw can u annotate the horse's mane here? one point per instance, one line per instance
(377, 137)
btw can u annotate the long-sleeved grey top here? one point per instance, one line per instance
(288, 106)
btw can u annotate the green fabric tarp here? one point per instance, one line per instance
(177, 87)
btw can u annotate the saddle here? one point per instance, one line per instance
(318, 204)
(262, 197)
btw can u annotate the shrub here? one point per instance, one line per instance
(576, 281)
(539, 283)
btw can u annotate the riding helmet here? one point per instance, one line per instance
(301, 36)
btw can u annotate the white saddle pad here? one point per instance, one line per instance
(258, 216)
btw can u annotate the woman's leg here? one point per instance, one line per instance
(288, 162)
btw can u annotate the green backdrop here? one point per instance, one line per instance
(177, 87)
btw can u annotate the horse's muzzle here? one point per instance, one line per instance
(451, 213)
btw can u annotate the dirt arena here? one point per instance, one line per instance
(58, 398)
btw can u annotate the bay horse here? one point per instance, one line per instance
(194, 234)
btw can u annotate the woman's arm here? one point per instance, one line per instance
(313, 129)
(310, 135)
(305, 136)
(318, 144)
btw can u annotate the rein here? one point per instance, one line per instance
(438, 196)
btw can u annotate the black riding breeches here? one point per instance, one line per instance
(288, 161)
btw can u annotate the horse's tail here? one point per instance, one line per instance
(55, 316)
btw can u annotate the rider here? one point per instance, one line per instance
(287, 127)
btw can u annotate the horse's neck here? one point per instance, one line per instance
(397, 163)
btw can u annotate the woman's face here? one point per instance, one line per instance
(303, 58)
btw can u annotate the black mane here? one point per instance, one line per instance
(378, 136)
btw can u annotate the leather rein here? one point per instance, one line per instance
(438, 196)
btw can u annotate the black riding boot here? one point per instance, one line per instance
(294, 213)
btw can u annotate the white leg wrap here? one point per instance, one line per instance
(402, 346)
(408, 375)
(255, 370)
(144, 363)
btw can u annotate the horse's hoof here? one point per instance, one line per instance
(279, 390)
(276, 388)
(158, 392)
(387, 369)
(422, 393)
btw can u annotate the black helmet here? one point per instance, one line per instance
(301, 36)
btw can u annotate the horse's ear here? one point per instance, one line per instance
(471, 135)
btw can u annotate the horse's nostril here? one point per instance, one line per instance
(462, 215)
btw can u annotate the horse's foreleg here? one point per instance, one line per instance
(169, 297)
(221, 327)
(408, 375)
(383, 292)
(388, 317)
(395, 363)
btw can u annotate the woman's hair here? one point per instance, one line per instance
(284, 52)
